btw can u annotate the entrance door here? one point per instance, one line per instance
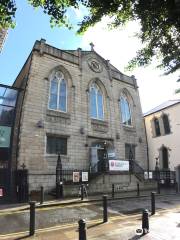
(165, 160)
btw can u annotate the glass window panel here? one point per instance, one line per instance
(123, 115)
(157, 127)
(166, 124)
(56, 145)
(100, 105)
(93, 107)
(6, 115)
(62, 96)
(53, 95)
(125, 111)
(8, 96)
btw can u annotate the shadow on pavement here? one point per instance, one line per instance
(23, 237)
(94, 225)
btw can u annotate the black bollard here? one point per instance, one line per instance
(32, 218)
(176, 186)
(138, 192)
(153, 209)
(82, 192)
(158, 188)
(42, 195)
(113, 190)
(105, 214)
(82, 229)
(145, 221)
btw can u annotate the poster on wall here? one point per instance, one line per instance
(5, 134)
(76, 176)
(118, 165)
(84, 176)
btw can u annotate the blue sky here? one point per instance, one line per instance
(119, 46)
(31, 25)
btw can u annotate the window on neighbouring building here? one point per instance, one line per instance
(166, 124)
(129, 151)
(58, 93)
(157, 127)
(165, 158)
(96, 102)
(56, 145)
(125, 111)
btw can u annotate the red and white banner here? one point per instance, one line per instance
(118, 165)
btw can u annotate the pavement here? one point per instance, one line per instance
(59, 220)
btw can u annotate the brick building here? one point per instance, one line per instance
(76, 103)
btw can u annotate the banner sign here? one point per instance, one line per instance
(1, 192)
(118, 165)
(5, 134)
(76, 176)
(84, 176)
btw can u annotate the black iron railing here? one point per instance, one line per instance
(136, 169)
(164, 175)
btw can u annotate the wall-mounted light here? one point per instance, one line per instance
(40, 124)
(117, 136)
(82, 130)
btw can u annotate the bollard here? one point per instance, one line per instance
(153, 208)
(105, 214)
(82, 192)
(113, 190)
(32, 218)
(82, 229)
(145, 221)
(42, 195)
(158, 188)
(176, 186)
(138, 192)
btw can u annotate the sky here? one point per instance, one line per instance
(118, 46)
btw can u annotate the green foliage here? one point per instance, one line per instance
(159, 19)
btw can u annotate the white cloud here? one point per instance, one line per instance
(119, 46)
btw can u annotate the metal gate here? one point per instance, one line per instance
(22, 185)
(4, 185)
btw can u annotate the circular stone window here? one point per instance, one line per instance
(95, 65)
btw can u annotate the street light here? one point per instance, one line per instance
(105, 160)
(59, 182)
(131, 159)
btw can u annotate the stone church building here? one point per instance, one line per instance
(75, 103)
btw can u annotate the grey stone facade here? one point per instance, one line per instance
(81, 131)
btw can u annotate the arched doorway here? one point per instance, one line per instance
(99, 156)
(165, 158)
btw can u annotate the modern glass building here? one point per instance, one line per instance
(8, 100)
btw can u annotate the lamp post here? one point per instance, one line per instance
(131, 159)
(105, 160)
(59, 182)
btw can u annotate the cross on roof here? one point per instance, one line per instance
(92, 46)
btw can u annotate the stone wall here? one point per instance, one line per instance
(75, 66)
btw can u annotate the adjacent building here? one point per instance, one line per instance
(163, 133)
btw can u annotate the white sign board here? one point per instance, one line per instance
(76, 176)
(118, 165)
(1, 192)
(145, 175)
(84, 176)
(150, 175)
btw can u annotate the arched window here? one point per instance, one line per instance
(96, 102)
(125, 111)
(58, 93)
(165, 158)
(166, 124)
(157, 127)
